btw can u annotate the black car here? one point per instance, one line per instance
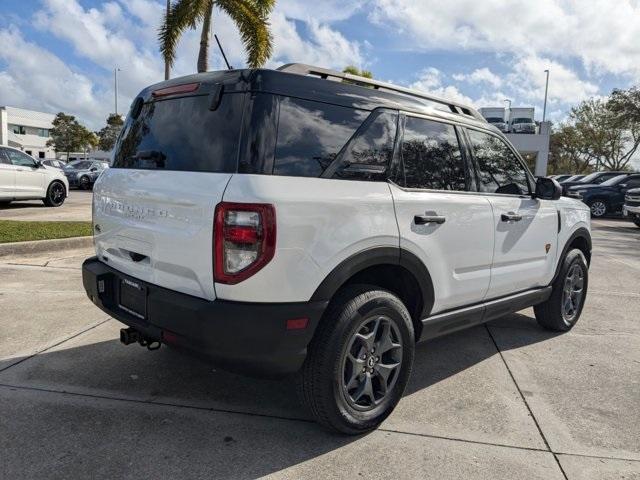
(83, 173)
(608, 197)
(595, 178)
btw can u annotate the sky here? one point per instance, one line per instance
(59, 55)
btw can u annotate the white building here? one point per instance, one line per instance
(27, 130)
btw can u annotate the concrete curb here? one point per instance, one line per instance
(44, 246)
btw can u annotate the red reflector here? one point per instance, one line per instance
(184, 88)
(169, 337)
(241, 234)
(297, 323)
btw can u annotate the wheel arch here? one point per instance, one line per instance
(394, 269)
(580, 239)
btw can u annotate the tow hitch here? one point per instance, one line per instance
(131, 335)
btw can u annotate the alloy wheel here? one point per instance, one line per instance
(371, 363)
(572, 293)
(598, 208)
(56, 194)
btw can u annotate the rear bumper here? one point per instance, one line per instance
(248, 338)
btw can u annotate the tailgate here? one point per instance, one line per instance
(157, 226)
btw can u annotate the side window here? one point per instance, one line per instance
(310, 135)
(431, 156)
(633, 182)
(20, 159)
(499, 170)
(368, 154)
(3, 158)
(604, 178)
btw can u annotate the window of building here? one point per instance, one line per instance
(43, 132)
(499, 170)
(19, 129)
(40, 154)
(311, 134)
(431, 156)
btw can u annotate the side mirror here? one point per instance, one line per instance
(622, 186)
(39, 164)
(548, 189)
(93, 169)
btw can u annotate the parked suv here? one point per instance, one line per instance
(608, 197)
(276, 222)
(24, 178)
(631, 206)
(83, 173)
(595, 178)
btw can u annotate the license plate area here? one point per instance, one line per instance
(132, 298)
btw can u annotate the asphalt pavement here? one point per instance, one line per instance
(502, 401)
(77, 207)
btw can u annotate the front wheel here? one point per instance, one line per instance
(569, 292)
(359, 361)
(56, 193)
(598, 208)
(85, 183)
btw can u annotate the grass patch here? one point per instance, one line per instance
(19, 231)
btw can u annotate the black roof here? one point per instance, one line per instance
(345, 93)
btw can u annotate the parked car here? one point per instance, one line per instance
(595, 178)
(573, 178)
(83, 173)
(294, 224)
(52, 162)
(562, 178)
(607, 197)
(631, 206)
(24, 178)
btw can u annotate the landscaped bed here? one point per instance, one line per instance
(19, 231)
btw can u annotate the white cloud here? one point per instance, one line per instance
(603, 34)
(479, 76)
(35, 78)
(431, 80)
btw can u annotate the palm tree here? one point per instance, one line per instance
(250, 16)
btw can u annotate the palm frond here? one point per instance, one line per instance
(182, 15)
(251, 18)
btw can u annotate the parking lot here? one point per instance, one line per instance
(77, 208)
(508, 400)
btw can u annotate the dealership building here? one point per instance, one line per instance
(26, 130)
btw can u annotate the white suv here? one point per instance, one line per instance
(278, 222)
(24, 178)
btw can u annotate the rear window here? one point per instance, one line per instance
(183, 134)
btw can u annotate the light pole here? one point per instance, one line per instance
(509, 109)
(115, 84)
(546, 91)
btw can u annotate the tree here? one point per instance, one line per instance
(250, 16)
(353, 70)
(109, 134)
(65, 134)
(566, 151)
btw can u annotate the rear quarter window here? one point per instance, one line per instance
(183, 134)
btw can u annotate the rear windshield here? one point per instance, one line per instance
(183, 134)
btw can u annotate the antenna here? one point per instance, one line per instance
(222, 51)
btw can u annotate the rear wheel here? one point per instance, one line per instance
(563, 308)
(359, 361)
(636, 220)
(56, 193)
(598, 208)
(85, 183)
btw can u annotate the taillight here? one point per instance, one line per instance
(244, 240)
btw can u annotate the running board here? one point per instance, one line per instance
(461, 318)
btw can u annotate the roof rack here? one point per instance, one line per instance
(332, 75)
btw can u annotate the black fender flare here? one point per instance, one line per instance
(372, 257)
(581, 232)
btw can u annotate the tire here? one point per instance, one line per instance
(56, 194)
(599, 208)
(358, 320)
(84, 183)
(552, 314)
(636, 220)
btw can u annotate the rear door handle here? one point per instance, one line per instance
(424, 219)
(511, 217)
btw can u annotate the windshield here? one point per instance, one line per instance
(614, 180)
(495, 120)
(522, 120)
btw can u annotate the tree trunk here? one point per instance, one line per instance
(203, 55)
(167, 68)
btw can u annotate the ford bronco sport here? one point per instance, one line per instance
(304, 220)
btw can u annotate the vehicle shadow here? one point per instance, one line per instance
(263, 440)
